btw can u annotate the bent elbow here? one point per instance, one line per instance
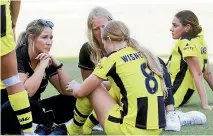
(29, 91)
(79, 94)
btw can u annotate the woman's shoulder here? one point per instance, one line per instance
(21, 52)
(85, 46)
(85, 50)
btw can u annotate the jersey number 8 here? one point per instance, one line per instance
(150, 81)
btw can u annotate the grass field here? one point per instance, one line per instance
(70, 65)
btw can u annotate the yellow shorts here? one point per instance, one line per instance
(184, 92)
(7, 36)
(112, 128)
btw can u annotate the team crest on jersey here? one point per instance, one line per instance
(99, 65)
(203, 50)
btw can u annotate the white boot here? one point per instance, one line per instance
(192, 118)
(172, 121)
(98, 128)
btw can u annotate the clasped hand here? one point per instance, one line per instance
(47, 60)
(73, 86)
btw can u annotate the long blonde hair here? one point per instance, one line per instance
(96, 52)
(118, 31)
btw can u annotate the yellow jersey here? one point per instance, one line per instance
(141, 95)
(182, 80)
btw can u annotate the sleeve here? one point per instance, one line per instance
(187, 48)
(84, 58)
(51, 71)
(20, 63)
(104, 67)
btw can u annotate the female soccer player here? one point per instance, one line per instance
(90, 54)
(10, 81)
(188, 64)
(36, 67)
(136, 76)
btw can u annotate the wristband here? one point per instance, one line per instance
(60, 66)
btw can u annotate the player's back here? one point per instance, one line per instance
(141, 95)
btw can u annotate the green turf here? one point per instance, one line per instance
(71, 66)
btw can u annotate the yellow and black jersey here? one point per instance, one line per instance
(182, 80)
(7, 37)
(141, 96)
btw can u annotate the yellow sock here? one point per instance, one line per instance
(21, 106)
(90, 123)
(82, 111)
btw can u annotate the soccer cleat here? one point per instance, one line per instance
(43, 129)
(172, 121)
(59, 130)
(192, 118)
(98, 128)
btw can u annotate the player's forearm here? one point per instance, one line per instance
(64, 78)
(32, 84)
(199, 82)
(15, 8)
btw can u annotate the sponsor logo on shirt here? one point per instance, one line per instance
(24, 119)
(187, 47)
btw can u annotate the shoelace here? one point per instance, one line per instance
(189, 121)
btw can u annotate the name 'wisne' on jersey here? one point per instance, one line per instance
(131, 56)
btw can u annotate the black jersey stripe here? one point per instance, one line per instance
(161, 112)
(141, 120)
(187, 96)
(181, 74)
(3, 20)
(119, 83)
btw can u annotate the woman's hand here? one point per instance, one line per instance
(44, 59)
(207, 107)
(55, 62)
(73, 85)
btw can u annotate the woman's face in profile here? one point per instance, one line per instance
(177, 28)
(97, 26)
(43, 42)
